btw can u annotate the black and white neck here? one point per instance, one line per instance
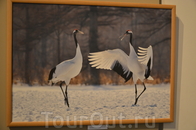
(75, 39)
(131, 36)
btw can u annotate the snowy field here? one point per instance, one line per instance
(89, 103)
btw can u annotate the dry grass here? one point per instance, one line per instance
(106, 78)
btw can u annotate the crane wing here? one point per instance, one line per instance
(115, 60)
(145, 57)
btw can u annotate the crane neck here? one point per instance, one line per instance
(76, 42)
(131, 39)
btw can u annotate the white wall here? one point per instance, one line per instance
(186, 62)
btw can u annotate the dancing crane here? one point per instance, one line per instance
(66, 70)
(127, 66)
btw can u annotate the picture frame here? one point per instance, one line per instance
(17, 29)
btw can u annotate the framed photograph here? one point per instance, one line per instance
(72, 63)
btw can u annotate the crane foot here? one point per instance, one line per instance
(66, 102)
(136, 101)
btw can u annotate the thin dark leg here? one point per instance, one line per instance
(66, 98)
(62, 89)
(140, 94)
(135, 92)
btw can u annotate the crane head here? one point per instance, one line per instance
(125, 34)
(128, 32)
(77, 31)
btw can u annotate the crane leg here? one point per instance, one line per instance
(135, 92)
(140, 94)
(64, 94)
(66, 97)
(62, 89)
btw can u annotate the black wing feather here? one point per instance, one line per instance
(147, 73)
(52, 71)
(119, 69)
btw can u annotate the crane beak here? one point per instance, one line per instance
(80, 32)
(123, 36)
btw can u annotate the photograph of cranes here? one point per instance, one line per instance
(84, 62)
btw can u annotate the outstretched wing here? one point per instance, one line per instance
(145, 57)
(115, 60)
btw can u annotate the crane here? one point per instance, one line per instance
(66, 70)
(127, 66)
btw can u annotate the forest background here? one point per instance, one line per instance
(42, 38)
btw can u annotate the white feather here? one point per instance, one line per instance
(107, 59)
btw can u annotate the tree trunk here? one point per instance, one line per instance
(93, 35)
(27, 49)
(58, 46)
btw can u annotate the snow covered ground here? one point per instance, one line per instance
(89, 103)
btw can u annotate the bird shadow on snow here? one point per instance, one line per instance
(145, 106)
